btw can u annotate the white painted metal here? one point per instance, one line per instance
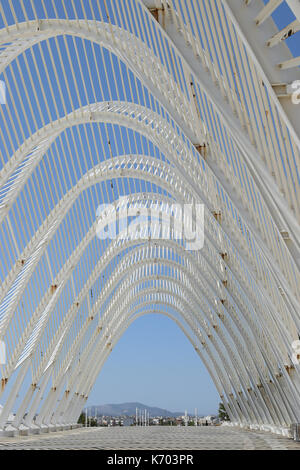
(176, 102)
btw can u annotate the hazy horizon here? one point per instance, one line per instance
(154, 363)
(143, 406)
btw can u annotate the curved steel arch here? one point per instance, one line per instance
(63, 278)
(152, 291)
(50, 28)
(88, 179)
(91, 234)
(233, 156)
(266, 210)
(84, 397)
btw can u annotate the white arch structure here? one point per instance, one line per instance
(164, 102)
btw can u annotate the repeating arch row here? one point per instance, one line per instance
(134, 115)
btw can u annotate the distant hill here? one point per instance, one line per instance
(128, 409)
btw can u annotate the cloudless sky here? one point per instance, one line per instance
(155, 364)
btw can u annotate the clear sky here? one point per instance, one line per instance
(155, 364)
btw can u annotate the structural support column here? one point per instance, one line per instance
(38, 398)
(14, 393)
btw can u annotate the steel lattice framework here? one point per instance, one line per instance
(162, 101)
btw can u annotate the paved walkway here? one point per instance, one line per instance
(152, 438)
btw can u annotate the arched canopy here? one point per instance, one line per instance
(164, 103)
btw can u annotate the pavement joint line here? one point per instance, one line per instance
(152, 438)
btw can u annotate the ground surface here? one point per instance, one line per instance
(153, 438)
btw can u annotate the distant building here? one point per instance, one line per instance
(207, 420)
(128, 421)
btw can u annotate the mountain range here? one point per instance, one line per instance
(129, 409)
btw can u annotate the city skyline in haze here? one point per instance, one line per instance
(154, 363)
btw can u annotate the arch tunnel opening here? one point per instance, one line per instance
(155, 364)
(97, 108)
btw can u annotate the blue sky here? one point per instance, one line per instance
(154, 363)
